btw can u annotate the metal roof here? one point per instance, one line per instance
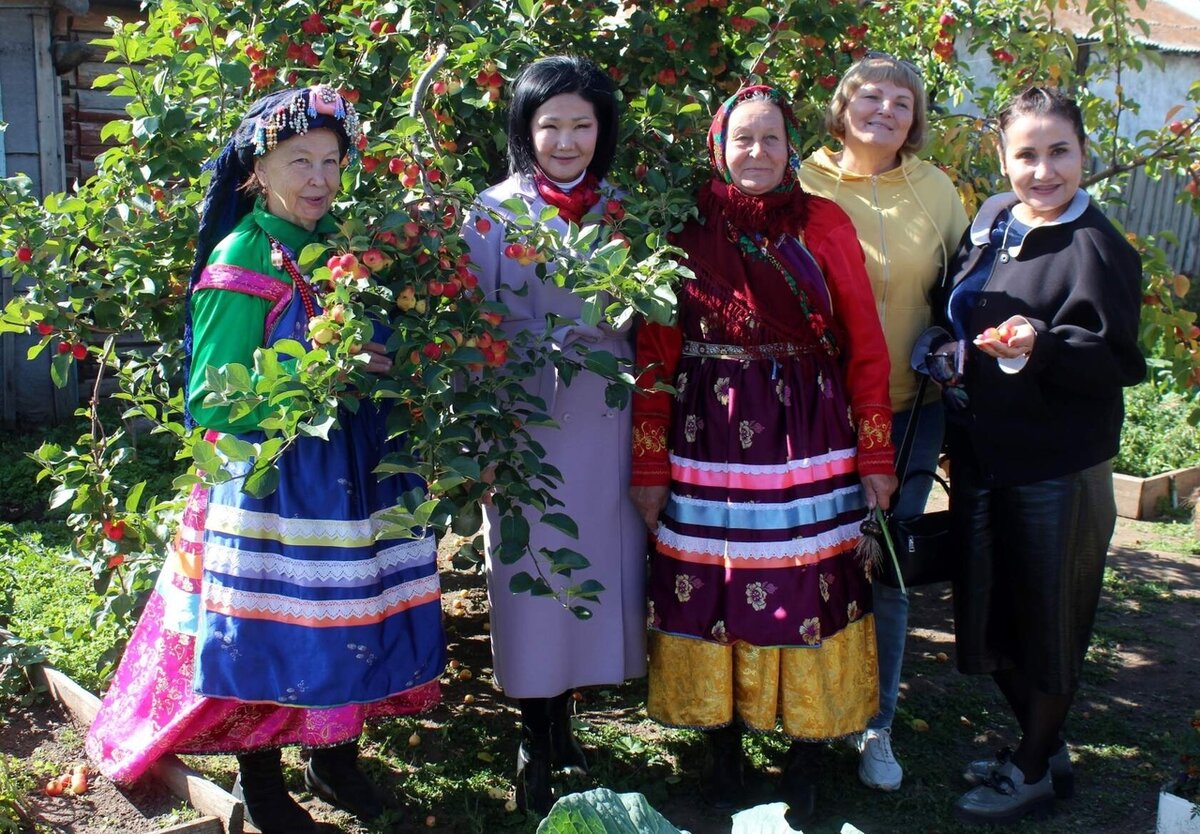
(1174, 24)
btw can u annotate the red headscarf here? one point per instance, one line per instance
(774, 213)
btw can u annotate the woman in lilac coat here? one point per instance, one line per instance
(561, 138)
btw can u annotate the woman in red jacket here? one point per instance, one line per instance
(755, 475)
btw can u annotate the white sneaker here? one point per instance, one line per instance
(877, 765)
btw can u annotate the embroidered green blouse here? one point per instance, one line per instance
(227, 326)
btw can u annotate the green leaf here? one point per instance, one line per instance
(205, 455)
(520, 583)
(467, 520)
(320, 429)
(591, 312)
(514, 530)
(312, 255)
(235, 449)
(758, 14)
(60, 369)
(564, 560)
(563, 523)
(262, 480)
(60, 495)
(134, 497)
(238, 377)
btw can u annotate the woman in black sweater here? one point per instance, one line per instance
(1040, 336)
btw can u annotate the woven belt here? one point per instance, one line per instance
(771, 351)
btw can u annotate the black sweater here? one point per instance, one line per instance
(1078, 283)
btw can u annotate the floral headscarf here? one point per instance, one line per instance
(720, 125)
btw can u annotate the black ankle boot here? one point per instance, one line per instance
(722, 783)
(333, 774)
(798, 782)
(534, 756)
(567, 754)
(268, 805)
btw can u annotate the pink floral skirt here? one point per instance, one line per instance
(151, 708)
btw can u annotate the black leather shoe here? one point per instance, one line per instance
(267, 804)
(333, 774)
(798, 782)
(722, 782)
(566, 752)
(534, 794)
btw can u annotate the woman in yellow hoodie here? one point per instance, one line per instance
(909, 219)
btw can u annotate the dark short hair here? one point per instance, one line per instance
(1042, 101)
(554, 76)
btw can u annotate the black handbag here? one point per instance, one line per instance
(923, 545)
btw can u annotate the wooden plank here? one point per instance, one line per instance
(1128, 492)
(204, 825)
(100, 101)
(94, 20)
(48, 108)
(1186, 482)
(201, 794)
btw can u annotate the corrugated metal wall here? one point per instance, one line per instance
(1151, 208)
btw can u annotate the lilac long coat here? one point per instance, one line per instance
(539, 648)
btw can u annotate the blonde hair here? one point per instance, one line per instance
(872, 70)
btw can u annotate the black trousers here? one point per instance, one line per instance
(1032, 567)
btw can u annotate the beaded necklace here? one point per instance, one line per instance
(280, 257)
(815, 320)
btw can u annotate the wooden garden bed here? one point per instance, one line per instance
(223, 814)
(1142, 498)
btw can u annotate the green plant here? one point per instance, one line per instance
(50, 603)
(16, 781)
(1157, 436)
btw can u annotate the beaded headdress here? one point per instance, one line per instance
(294, 112)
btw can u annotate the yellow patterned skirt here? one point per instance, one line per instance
(817, 693)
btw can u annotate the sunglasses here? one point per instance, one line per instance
(883, 56)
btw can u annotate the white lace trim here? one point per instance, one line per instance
(331, 610)
(248, 563)
(758, 550)
(223, 518)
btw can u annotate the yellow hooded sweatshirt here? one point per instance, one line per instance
(909, 221)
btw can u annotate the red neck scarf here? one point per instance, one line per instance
(572, 205)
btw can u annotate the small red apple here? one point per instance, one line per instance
(45, 328)
(79, 351)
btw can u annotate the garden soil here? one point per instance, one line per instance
(1142, 681)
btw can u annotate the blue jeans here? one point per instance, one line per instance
(891, 606)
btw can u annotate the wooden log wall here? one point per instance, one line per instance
(85, 110)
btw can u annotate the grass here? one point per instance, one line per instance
(1139, 682)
